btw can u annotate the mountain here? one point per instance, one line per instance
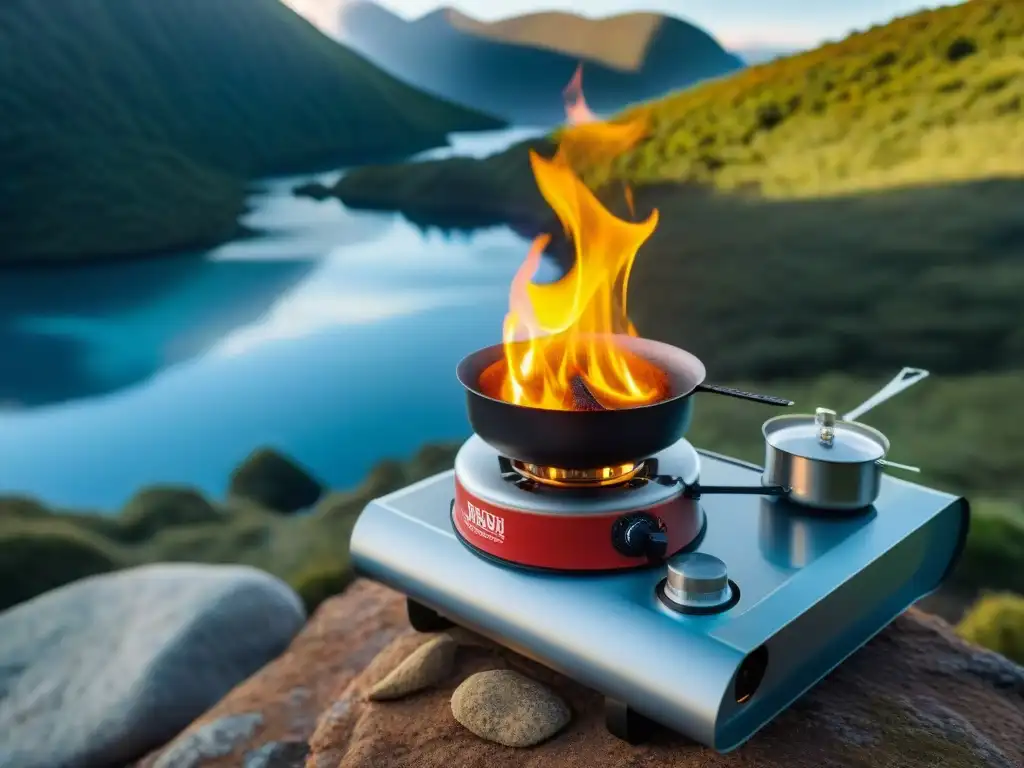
(132, 125)
(516, 68)
(854, 208)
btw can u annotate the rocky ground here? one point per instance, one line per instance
(359, 688)
(104, 669)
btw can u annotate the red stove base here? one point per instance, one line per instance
(561, 541)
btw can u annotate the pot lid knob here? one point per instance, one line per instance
(825, 419)
(697, 580)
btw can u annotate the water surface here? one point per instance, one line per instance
(333, 337)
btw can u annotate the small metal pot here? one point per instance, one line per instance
(823, 462)
(830, 463)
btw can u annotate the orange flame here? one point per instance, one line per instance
(556, 334)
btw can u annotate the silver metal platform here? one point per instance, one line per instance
(812, 590)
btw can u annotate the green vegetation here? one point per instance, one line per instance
(997, 622)
(131, 126)
(317, 582)
(41, 549)
(936, 96)
(845, 209)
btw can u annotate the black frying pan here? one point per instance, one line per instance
(588, 439)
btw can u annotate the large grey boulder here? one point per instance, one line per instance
(103, 670)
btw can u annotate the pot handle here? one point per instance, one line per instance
(894, 465)
(696, 490)
(742, 395)
(905, 378)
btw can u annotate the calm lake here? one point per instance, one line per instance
(332, 337)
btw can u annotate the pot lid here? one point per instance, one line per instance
(824, 438)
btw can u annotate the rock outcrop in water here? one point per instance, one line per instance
(275, 482)
(916, 696)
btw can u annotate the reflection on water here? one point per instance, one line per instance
(333, 336)
(73, 335)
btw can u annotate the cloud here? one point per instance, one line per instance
(323, 13)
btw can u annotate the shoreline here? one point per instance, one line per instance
(248, 187)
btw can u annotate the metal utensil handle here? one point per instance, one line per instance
(905, 378)
(742, 395)
(697, 490)
(894, 465)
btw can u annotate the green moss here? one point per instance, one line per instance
(904, 743)
(997, 622)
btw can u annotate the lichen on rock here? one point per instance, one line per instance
(212, 740)
(277, 754)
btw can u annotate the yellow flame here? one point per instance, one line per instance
(557, 332)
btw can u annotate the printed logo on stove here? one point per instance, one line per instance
(484, 523)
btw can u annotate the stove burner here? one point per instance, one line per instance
(579, 478)
(575, 520)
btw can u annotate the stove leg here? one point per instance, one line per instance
(625, 723)
(425, 619)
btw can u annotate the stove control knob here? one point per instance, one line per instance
(640, 535)
(697, 580)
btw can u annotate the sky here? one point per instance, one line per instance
(735, 23)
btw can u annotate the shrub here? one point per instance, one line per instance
(156, 509)
(33, 562)
(319, 581)
(885, 59)
(769, 115)
(961, 48)
(996, 622)
(994, 555)
(274, 481)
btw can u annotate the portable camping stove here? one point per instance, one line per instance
(706, 615)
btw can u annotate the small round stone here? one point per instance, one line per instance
(508, 708)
